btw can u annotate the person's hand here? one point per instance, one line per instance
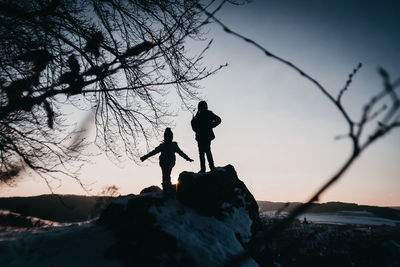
(143, 158)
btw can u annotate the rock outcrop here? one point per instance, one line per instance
(219, 194)
(208, 221)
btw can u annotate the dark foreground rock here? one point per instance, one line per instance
(210, 220)
(217, 194)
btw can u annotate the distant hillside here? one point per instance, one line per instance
(59, 208)
(284, 206)
(383, 212)
(74, 208)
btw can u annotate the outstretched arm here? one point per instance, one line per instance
(151, 153)
(182, 154)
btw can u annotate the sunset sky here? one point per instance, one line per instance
(277, 129)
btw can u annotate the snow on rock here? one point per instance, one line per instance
(219, 194)
(69, 244)
(13, 219)
(208, 222)
(208, 241)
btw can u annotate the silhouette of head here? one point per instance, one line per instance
(168, 135)
(202, 106)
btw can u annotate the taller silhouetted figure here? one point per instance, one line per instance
(203, 123)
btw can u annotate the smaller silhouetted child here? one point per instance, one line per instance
(167, 158)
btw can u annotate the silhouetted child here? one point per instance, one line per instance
(167, 158)
(203, 123)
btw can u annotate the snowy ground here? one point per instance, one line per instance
(343, 217)
(86, 243)
(214, 242)
(209, 241)
(73, 244)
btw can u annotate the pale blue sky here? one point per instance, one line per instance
(277, 129)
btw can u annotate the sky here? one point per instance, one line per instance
(277, 129)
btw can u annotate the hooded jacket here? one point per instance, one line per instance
(203, 124)
(167, 156)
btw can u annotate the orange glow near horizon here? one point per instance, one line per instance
(278, 130)
(174, 178)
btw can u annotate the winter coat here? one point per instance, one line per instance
(167, 156)
(203, 124)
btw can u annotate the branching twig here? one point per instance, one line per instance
(358, 146)
(120, 58)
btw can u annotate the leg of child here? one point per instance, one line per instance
(166, 177)
(202, 151)
(209, 155)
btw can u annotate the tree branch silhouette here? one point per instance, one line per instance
(387, 117)
(117, 59)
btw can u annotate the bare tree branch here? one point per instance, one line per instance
(388, 122)
(118, 58)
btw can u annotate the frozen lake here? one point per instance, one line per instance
(343, 217)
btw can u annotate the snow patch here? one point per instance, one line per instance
(210, 241)
(74, 244)
(240, 222)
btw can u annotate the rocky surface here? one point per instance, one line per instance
(219, 194)
(209, 220)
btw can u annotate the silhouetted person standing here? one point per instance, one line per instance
(167, 158)
(203, 123)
